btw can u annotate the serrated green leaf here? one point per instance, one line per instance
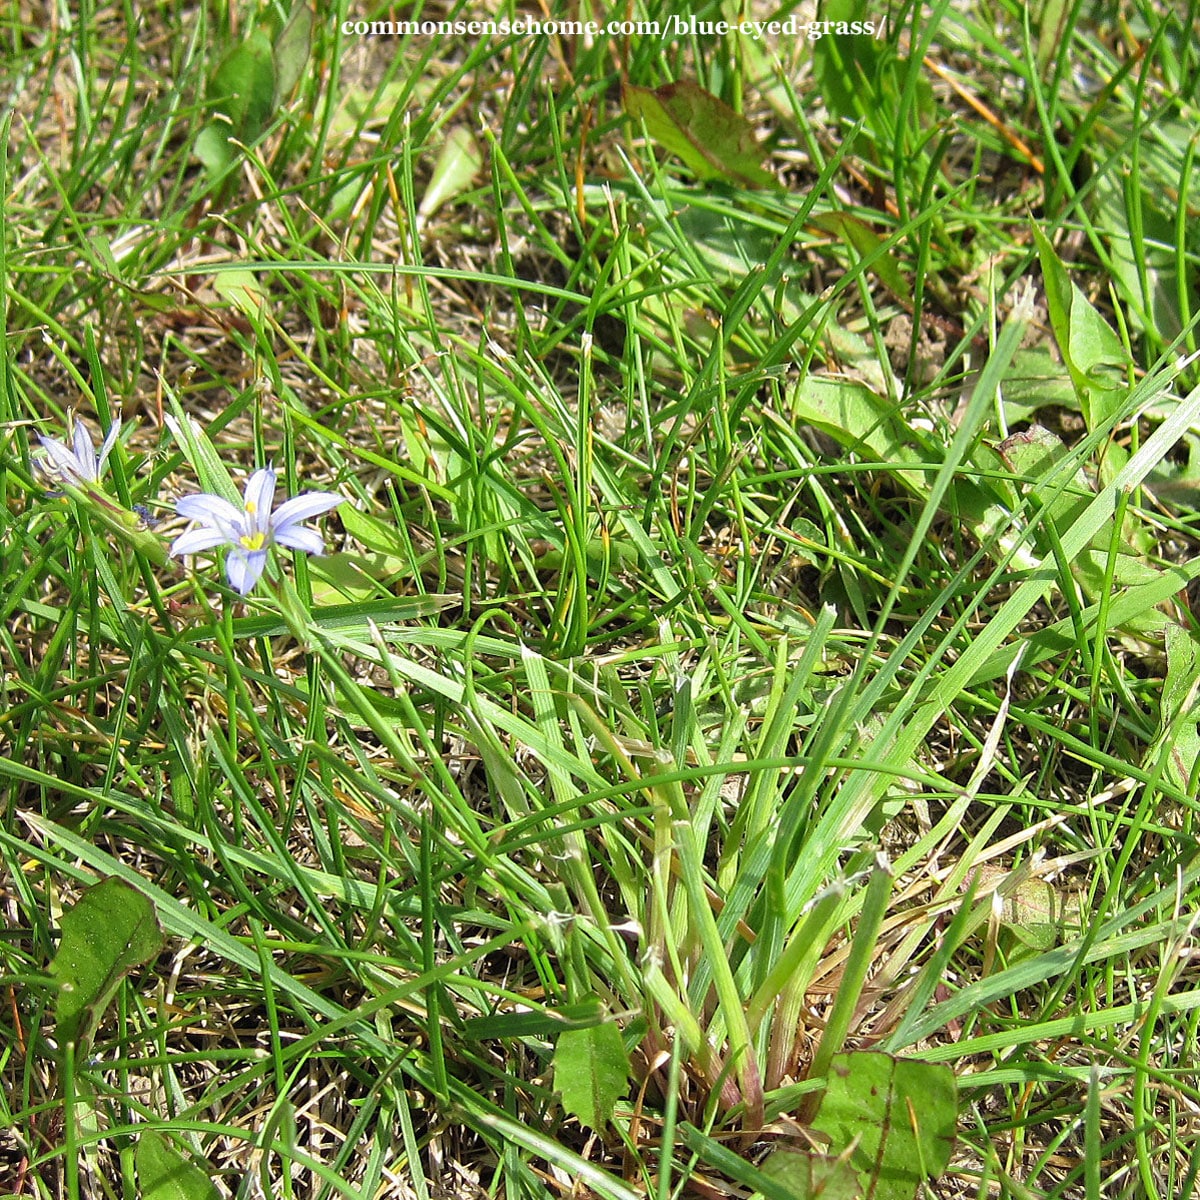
(696, 126)
(110, 931)
(898, 1119)
(591, 1072)
(164, 1174)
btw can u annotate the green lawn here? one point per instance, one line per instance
(680, 680)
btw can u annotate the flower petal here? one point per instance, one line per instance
(196, 541)
(299, 538)
(302, 508)
(212, 510)
(243, 569)
(63, 461)
(85, 452)
(110, 441)
(260, 495)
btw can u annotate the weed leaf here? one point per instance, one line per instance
(164, 1174)
(291, 52)
(1089, 347)
(900, 1117)
(591, 1068)
(694, 125)
(812, 1176)
(110, 930)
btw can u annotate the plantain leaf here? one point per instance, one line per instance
(110, 930)
(458, 163)
(241, 94)
(243, 86)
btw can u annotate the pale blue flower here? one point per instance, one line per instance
(251, 530)
(82, 464)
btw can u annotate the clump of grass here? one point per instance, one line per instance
(688, 562)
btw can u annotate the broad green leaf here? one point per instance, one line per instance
(869, 425)
(243, 86)
(1035, 913)
(458, 163)
(863, 240)
(244, 290)
(539, 1022)
(291, 51)
(1036, 379)
(846, 69)
(1177, 710)
(110, 931)
(897, 1117)
(696, 126)
(1034, 455)
(1051, 24)
(866, 423)
(1092, 351)
(812, 1176)
(591, 1071)
(353, 576)
(1041, 915)
(214, 151)
(241, 95)
(861, 77)
(164, 1174)
(1136, 216)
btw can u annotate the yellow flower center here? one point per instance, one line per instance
(253, 541)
